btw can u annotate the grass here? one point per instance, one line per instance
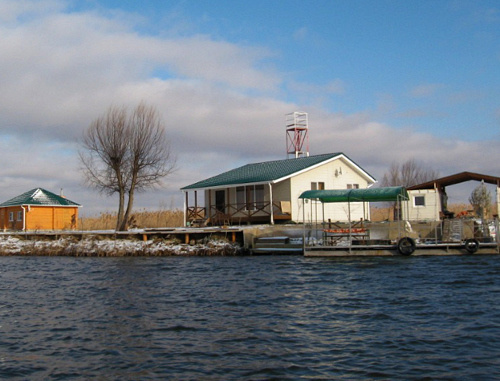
(139, 219)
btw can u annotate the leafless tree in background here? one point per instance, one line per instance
(126, 152)
(480, 199)
(408, 174)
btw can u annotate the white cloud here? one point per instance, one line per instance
(425, 90)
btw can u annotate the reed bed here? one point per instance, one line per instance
(141, 219)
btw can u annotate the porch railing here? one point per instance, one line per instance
(236, 213)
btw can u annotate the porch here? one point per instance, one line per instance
(238, 214)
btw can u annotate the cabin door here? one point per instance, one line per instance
(220, 201)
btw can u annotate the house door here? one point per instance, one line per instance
(220, 203)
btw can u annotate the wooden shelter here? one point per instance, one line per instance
(428, 201)
(39, 209)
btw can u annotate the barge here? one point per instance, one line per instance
(363, 238)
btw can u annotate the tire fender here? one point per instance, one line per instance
(406, 246)
(471, 245)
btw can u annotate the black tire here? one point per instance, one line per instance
(471, 245)
(406, 246)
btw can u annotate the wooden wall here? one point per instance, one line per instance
(40, 218)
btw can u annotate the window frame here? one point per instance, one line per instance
(420, 197)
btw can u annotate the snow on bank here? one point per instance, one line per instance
(91, 247)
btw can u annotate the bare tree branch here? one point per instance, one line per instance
(126, 152)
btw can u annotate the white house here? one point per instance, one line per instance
(269, 191)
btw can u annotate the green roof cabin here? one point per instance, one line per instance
(39, 209)
(268, 192)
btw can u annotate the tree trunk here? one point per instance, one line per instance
(120, 216)
(126, 217)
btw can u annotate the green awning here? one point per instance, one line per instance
(357, 195)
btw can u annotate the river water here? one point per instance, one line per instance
(250, 318)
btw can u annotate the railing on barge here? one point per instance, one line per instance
(392, 238)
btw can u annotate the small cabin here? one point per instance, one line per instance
(39, 209)
(268, 192)
(429, 201)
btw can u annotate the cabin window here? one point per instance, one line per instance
(317, 186)
(352, 186)
(240, 197)
(11, 216)
(254, 197)
(419, 201)
(259, 196)
(19, 216)
(250, 194)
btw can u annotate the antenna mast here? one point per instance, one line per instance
(297, 134)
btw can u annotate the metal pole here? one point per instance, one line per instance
(304, 222)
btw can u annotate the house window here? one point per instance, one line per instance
(20, 216)
(254, 197)
(259, 196)
(240, 197)
(11, 216)
(317, 186)
(352, 186)
(419, 201)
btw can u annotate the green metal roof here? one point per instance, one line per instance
(354, 195)
(262, 172)
(39, 196)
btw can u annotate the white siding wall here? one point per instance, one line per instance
(336, 175)
(421, 213)
(498, 201)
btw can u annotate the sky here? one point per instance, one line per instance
(382, 81)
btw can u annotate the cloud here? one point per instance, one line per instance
(425, 90)
(59, 70)
(300, 34)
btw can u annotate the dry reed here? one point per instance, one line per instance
(140, 219)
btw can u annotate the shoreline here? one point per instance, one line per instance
(91, 247)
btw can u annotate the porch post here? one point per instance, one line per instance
(209, 203)
(185, 206)
(271, 202)
(196, 203)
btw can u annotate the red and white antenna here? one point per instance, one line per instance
(297, 134)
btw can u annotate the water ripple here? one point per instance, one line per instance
(262, 318)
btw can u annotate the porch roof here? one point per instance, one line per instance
(269, 171)
(355, 195)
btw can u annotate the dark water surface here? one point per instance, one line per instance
(251, 318)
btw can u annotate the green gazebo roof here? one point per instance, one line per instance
(355, 195)
(39, 196)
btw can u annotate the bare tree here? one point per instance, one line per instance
(126, 152)
(480, 199)
(408, 174)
